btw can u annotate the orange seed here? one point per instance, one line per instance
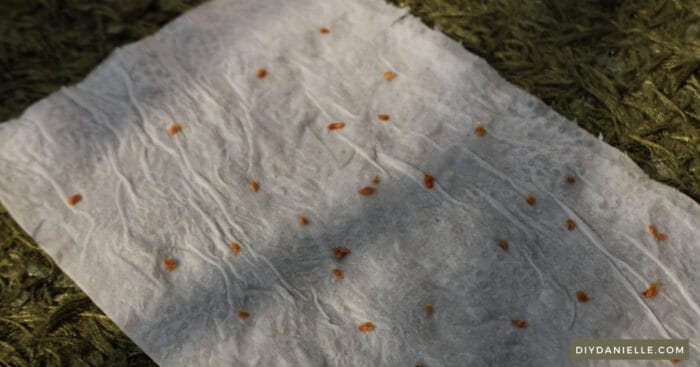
(74, 199)
(581, 296)
(519, 323)
(236, 248)
(366, 191)
(659, 236)
(428, 181)
(375, 180)
(341, 252)
(479, 130)
(366, 327)
(253, 186)
(530, 199)
(570, 224)
(388, 75)
(324, 30)
(651, 291)
(170, 264)
(428, 309)
(303, 221)
(338, 273)
(383, 117)
(336, 125)
(503, 245)
(174, 129)
(243, 314)
(261, 73)
(570, 179)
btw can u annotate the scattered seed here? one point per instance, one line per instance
(570, 224)
(236, 248)
(503, 245)
(674, 360)
(174, 129)
(570, 179)
(531, 199)
(243, 314)
(388, 75)
(581, 296)
(659, 236)
(338, 273)
(519, 323)
(366, 191)
(170, 264)
(261, 73)
(254, 186)
(479, 130)
(428, 309)
(324, 30)
(651, 291)
(428, 181)
(336, 125)
(303, 221)
(366, 327)
(375, 180)
(341, 252)
(383, 117)
(74, 199)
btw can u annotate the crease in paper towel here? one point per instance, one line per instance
(149, 196)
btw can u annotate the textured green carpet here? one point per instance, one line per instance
(628, 70)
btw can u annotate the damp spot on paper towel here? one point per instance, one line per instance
(659, 236)
(479, 130)
(340, 252)
(428, 309)
(336, 125)
(174, 129)
(236, 248)
(170, 264)
(388, 75)
(337, 273)
(519, 323)
(243, 314)
(530, 199)
(366, 191)
(651, 291)
(74, 199)
(366, 327)
(570, 180)
(254, 187)
(428, 181)
(303, 221)
(383, 117)
(570, 224)
(261, 73)
(324, 30)
(581, 296)
(503, 244)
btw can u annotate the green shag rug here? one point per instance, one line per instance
(627, 70)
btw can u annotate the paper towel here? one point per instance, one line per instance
(148, 195)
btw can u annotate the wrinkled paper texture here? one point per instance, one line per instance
(148, 196)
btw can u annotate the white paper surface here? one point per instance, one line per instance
(149, 196)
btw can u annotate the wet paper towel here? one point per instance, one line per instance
(151, 194)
